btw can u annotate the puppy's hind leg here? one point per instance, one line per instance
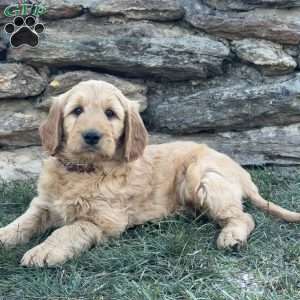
(222, 200)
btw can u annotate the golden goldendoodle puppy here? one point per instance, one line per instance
(101, 177)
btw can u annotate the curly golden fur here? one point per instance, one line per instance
(129, 183)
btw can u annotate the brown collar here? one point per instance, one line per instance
(78, 167)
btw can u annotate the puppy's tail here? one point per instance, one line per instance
(271, 208)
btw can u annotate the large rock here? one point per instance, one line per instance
(268, 56)
(57, 9)
(136, 49)
(159, 10)
(19, 81)
(250, 4)
(269, 145)
(183, 108)
(20, 164)
(278, 25)
(19, 123)
(134, 90)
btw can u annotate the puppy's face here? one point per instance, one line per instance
(94, 121)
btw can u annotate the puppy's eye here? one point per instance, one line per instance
(77, 111)
(110, 113)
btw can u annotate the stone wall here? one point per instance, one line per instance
(223, 72)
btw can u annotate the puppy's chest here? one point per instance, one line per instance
(87, 195)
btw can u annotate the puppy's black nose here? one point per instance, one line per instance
(91, 137)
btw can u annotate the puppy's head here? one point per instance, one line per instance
(94, 120)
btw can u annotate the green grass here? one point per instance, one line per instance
(175, 258)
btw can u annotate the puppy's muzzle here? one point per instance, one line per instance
(91, 137)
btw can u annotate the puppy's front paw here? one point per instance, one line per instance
(232, 237)
(44, 256)
(8, 237)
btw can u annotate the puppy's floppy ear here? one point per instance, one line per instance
(135, 135)
(51, 131)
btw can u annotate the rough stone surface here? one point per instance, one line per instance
(269, 145)
(136, 49)
(235, 73)
(278, 25)
(20, 164)
(292, 50)
(19, 81)
(181, 109)
(134, 90)
(269, 56)
(19, 123)
(57, 9)
(250, 4)
(159, 10)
